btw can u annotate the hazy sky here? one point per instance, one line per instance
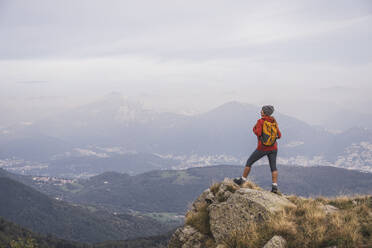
(305, 57)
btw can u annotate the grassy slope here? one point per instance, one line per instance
(13, 235)
(32, 209)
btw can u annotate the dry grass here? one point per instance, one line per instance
(254, 236)
(251, 185)
(214, 188)
(309, 225)
(232, 187)
(210, 243)
(219, 189)
(199, 219)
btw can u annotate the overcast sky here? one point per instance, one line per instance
(304, 57)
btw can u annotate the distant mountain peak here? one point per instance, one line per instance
(233, 108)
(234, 104)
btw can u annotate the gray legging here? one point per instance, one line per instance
(257, 154)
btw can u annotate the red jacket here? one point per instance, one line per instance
(257, 130)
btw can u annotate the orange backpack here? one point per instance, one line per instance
(269, 133)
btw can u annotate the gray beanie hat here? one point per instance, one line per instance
(268, 109)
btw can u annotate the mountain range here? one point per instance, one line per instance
(170, 191)
(82, 137)
(32, 209)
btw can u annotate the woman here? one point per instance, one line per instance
(264, 127)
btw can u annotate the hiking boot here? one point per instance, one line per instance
(239, 181)
(275, 190)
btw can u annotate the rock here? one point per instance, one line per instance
(221, 246)
(187, 237)
(227, 209)
(241, 209)
(329, 209)
(225, 189)
(276, 242)
(206, 197)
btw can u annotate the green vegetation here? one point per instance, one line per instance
(160, 241)
(31, 209)
(14, 236)
(167, 174)
(166, 218)
(184, 178)
(72, 187)
(181, 177)
(23, 243)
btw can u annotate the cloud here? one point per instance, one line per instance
(27, 82)
(26, 123)
(185, 29)
(88, 153)
(184, 55)
(44, 98)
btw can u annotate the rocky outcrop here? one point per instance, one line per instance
(187, 237)
(227, 209)
(241, 209)
(329, 209)
(276, 242)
